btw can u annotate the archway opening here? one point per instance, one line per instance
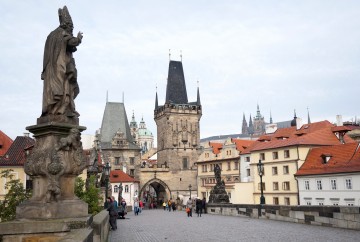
(154, 193)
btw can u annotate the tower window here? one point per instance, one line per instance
(185, 163)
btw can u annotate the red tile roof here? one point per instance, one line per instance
(15, 156)
(319, 133)
(241, 144)
(5, 143)
(120, 176)
(343, 158)
(216, 147)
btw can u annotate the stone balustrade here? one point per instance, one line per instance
(330, 216)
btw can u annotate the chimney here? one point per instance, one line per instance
(339, 121)
(298, 123)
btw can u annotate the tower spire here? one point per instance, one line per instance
(156, 100)
(308, 116)
(271, 120)
(244, 129)
(198, 102)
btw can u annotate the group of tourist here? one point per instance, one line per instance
(138, 206)
(115, 211)
(200, 206)
(169, 205)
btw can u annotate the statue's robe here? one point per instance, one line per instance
(59, 73)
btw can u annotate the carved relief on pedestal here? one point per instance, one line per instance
(53, 157)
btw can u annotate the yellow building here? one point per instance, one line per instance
(282, 154)
(226, 154)
(14, 159)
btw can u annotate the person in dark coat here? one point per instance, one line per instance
(112, 213)
(203, 203)
(198, 207)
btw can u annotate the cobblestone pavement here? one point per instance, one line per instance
(160, 225)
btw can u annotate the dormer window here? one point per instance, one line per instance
(326, 158)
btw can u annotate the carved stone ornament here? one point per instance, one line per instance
(53, 161)
(218, 193)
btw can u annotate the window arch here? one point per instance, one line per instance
(116, 188)
(126, 188)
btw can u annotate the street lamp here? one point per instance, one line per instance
(190, 190)
(107, 169)
(260, 167)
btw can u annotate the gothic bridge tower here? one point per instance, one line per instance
(178, 138)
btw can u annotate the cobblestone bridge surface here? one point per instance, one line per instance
(160, 225)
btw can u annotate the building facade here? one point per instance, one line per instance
(330, 176)
(14, 159)
(283, 153)
(142, 135)
(178, 138)
(226, 155)
(117, 145)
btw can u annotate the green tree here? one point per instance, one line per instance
(16, 194)
(91, 195)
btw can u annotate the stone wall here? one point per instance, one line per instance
(329, 216)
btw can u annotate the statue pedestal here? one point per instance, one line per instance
(47, 230)
(54, 163)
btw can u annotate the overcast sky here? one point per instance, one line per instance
(282, 55)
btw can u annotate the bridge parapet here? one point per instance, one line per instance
(329, 216)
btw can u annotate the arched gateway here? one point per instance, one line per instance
(155, 191)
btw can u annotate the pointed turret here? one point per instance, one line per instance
(156, 102)
(176, 87)
(258, 114)
(133, 123)
(244, 129)
(198, 97)
(251, 127)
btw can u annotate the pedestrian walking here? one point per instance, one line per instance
(173, 205)
(112, 214)
(164, 205)
(189, 207)
(122, 209)
(136, 206)
(141, 205)
(203, 204)
(169, 205)
(198, 207)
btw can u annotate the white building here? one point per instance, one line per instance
(130, 186)
(331, 176)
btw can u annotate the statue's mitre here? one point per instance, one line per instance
(64, 16)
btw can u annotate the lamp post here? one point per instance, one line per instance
(190, 190)
(260, 167)
(107, 168)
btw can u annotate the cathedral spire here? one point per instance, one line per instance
(308, 116)
(251, 127)
(198, 96)
(258, 114)
(244, 129)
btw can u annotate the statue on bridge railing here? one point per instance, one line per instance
(218, 193)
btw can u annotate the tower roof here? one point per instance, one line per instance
(176, 87)
(114, 120)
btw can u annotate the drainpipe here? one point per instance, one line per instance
(297, 168)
